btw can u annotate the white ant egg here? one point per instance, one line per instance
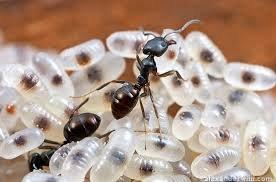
(162, 146)
(141, 167)
(214, 113)
(81, 158)
(21, 142)
(127, 43)
(215, 161)
(167, 178)
(58, 158)
(52, 74)
(186, 122)
(212, 138)
(203, 50)
(257, 146)
(82, 55)
(35, 116)
(115, 156)
(233, 174)
(249, 77)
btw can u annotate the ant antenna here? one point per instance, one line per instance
(146, 33)
(183, 27)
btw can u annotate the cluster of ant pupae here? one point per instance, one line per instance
(190, 70)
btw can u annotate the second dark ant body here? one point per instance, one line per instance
(77, 128)
(126, 97)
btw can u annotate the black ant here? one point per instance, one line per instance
(126, 97)
(77, 128)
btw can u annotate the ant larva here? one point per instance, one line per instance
(126, 97)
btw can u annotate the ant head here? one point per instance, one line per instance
(158, 45)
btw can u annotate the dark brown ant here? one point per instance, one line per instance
(126, 97)
(77, 128)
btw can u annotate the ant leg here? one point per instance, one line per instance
(146, 33)
(144, 119)
(106, 134)
(77, 108)
(169, 73)
(139, 62)
(155, 110)
(101, 87)
(47, 147)
(51, 142)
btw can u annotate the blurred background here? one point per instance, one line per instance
(243, 30)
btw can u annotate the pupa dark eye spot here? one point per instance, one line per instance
(94, 74)
(118, 156)
(146, 168)
(29, 80)
(83, 58)
(248, 77)
(206, 56)
(186, 115)
(214, 160)
(57, 80)
(42, 122)
(20, 141)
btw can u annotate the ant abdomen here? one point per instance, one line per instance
(124, 100)
(81, 126)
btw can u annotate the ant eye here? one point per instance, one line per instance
(163, 44)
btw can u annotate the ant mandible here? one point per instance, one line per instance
(126, 97)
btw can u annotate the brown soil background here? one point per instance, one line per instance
(244, 30)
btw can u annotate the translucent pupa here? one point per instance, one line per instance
(257, 146)
(167, 178)
(212, 138)
(180, 91)
(141, 167)
(115, 157)
(233, 174)
(82, 55)
(127, 43)
(215, 161)
(203, 50)
(34, 115)
(25, 81)
(10, 100)
(42, 177)
(52, 74)
(186, 122)
(249, 77)
(58, 158)
(21, 142)
(163, 147)
(81, 158)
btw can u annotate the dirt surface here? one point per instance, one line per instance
(244, 30)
